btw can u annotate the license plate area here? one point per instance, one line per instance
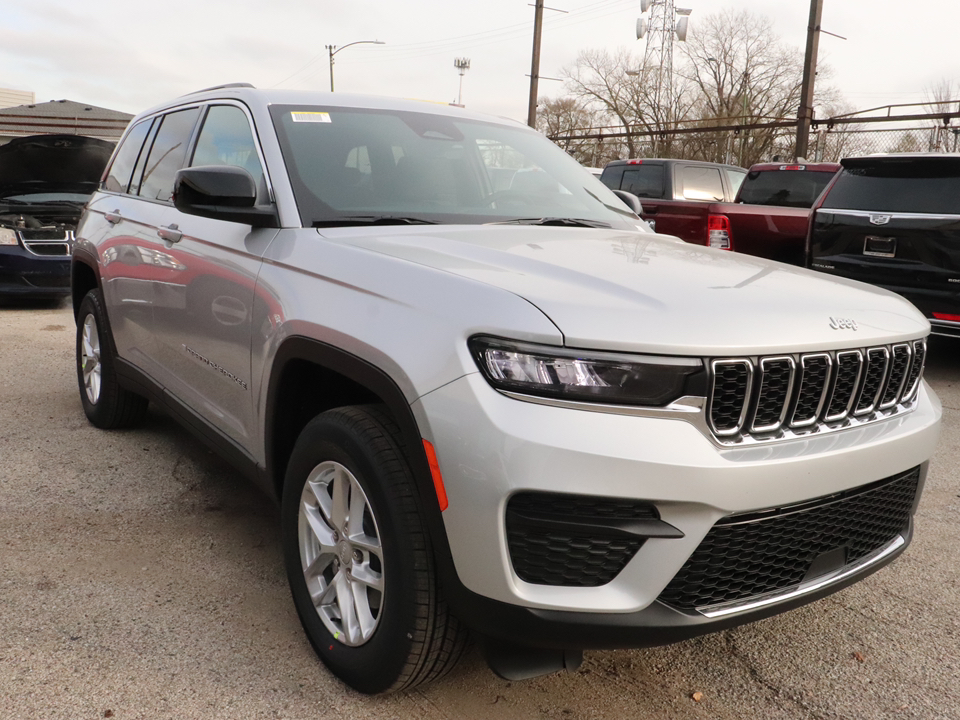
(880, 246)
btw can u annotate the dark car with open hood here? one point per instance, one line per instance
(45, 180)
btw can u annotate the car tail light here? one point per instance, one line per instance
(793, 167)
(947, 316)
(634, 162)
(719, 234)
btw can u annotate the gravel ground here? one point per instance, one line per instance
(142, 578)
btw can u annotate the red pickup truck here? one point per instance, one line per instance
(767, 217)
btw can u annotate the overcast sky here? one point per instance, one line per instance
(128, 55)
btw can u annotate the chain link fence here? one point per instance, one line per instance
(746, 144)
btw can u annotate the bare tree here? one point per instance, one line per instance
(563, 116)
(744, 74)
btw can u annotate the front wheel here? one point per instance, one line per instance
(105, 403)
(359, 559)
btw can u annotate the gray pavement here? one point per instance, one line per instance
(142, 578)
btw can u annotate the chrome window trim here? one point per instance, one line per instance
(714, 364)
(823, 393)
(833, 386)
(905, 215)
(754, 428)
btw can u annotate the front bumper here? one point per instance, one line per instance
(491, 447)
(27, 275)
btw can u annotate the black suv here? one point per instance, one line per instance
(894, 221)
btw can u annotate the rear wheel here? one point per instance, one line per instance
(359, 559)
(105, 403)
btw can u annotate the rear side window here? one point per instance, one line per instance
(167, 154)
(118, 180)
(911, 186)
(644, 181)
(701, 183)
(735, 178)
(785, 188)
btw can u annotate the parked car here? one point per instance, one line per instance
(894, 221)
(44, 182)
(766, 217)
(486, 397)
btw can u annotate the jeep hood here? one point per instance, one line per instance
(609, 289)
(52, 163)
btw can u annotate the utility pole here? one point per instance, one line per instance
(805, 113)
(535, 65)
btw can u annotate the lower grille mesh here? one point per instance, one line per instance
(560, 539)
(749, 555)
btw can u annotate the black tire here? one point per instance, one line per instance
(110, 406)
(415, 639)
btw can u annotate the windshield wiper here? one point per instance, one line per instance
(348, 220)
(556, 221)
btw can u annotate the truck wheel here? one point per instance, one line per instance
(358, 557)
(106, 404)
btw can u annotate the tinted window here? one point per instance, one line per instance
(226, 139)
(119, 178)
(167, 154)
(701, 183)
(919, 186)
(786, 188)
(611, 176)
(348, 164)
(644, 181)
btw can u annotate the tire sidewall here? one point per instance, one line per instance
(97, 412)
(377, 664)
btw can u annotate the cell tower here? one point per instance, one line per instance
(659, 30)
(462, 65)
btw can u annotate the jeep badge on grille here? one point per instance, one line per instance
(843, 324)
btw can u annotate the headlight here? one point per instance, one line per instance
(8, 236)
(587, 376)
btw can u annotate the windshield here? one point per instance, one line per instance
(785, 188)
(372, 165)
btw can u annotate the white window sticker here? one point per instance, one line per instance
(311, 117)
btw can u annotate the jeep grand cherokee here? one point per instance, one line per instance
(485, 395)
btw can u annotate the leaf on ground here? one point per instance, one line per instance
(858, 657)
(697, 697)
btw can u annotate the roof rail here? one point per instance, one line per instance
(221, 87)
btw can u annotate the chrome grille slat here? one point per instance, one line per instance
(846, 381)
(773, 398)
(813, 389)
(874, 376)
(897, 376)
(916, 370)
(732, 387)
(758, 399)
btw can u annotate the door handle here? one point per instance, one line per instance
(170, 233)
(113, 217)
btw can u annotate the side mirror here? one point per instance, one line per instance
(221, 192)
(630, 200)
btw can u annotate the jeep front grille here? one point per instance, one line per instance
(768, 397)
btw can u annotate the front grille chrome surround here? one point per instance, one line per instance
(765, 398)
(47, 241)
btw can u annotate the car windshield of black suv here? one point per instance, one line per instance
(356, 166)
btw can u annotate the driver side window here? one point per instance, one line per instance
(226, 139)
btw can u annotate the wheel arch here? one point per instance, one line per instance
(84, 277)
(294, 396)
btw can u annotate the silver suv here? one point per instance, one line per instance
(485, 395)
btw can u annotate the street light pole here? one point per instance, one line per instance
(333, 50)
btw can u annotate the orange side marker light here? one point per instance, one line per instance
(437, 477)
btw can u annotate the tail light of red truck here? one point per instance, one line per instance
(719, 234)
